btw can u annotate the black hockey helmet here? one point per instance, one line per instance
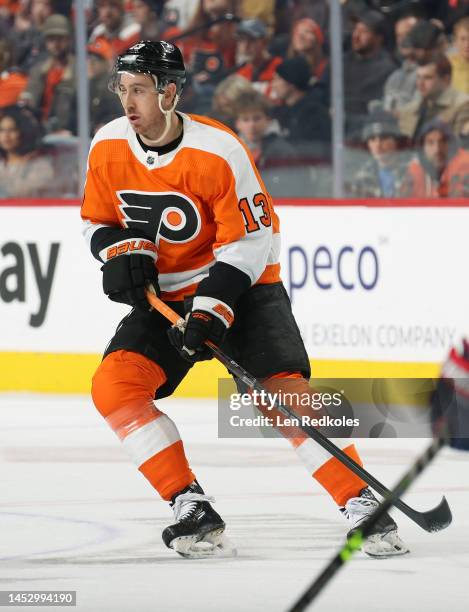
(159, 58)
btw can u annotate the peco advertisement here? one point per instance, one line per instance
(377, 283)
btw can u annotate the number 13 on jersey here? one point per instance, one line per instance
(248, 211)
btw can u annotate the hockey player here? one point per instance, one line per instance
(175, 201)
(450, 401)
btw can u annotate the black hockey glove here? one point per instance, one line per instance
(212, 312)
(209, 319)
(128, 269)
(450, 400)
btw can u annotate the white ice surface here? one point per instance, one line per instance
(75, 514)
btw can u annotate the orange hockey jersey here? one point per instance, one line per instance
(200, 203)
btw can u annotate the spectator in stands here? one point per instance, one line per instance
(115, 28)
(436, 99)
(319, 10)
(460, 57)
(401, 85)
(302, 119)
(264, 10)
(464, 136)
(441, 168)
(177, 13)
(426, 40)
(224, 101)
(51, 88)
(254, 125)
(383, 174)
(210, 53)
(366, 67)
(104, 105)
(26, 34)
(402, 27)
(147, 14)
(12, 80)
(307, 39)
(257, 65)
(23, 171)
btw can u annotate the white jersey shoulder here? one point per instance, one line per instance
(117, 129)
(215, 140)
(209, 138)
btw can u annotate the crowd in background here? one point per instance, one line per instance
(262, 67)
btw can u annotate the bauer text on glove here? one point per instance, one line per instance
(129, 267)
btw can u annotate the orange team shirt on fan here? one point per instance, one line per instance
(200, 203)
(54, 76)
(262, 80)
(11, 86)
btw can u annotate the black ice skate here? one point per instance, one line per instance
(198, 529)
(384, 540)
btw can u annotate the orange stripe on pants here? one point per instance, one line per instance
(123, 390)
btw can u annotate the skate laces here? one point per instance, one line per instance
(358, 508)
(186, 504)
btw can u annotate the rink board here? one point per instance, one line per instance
(374, 290)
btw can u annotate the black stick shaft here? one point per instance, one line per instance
(432, 520)
(355, 542)
(439, 519)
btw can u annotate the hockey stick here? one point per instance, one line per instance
(433, 520)
(355, 541)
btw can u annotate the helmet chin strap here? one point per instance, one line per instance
(167, 113)
(167, 116)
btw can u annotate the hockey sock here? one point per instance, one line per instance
(123, 390)
(340, 482)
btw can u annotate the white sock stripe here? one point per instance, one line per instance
(150, 439)
(314, 456)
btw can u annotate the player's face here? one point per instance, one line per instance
(9, 135)
(139, 98)
(252, 125)
(435, 148)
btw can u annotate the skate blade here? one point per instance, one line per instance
(384, 546)
(213, 544)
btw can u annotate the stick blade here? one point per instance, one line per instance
(436, 519)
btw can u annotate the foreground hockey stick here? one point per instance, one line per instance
(355, 541)
(433, 520)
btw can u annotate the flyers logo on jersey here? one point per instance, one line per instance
(168, 216)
